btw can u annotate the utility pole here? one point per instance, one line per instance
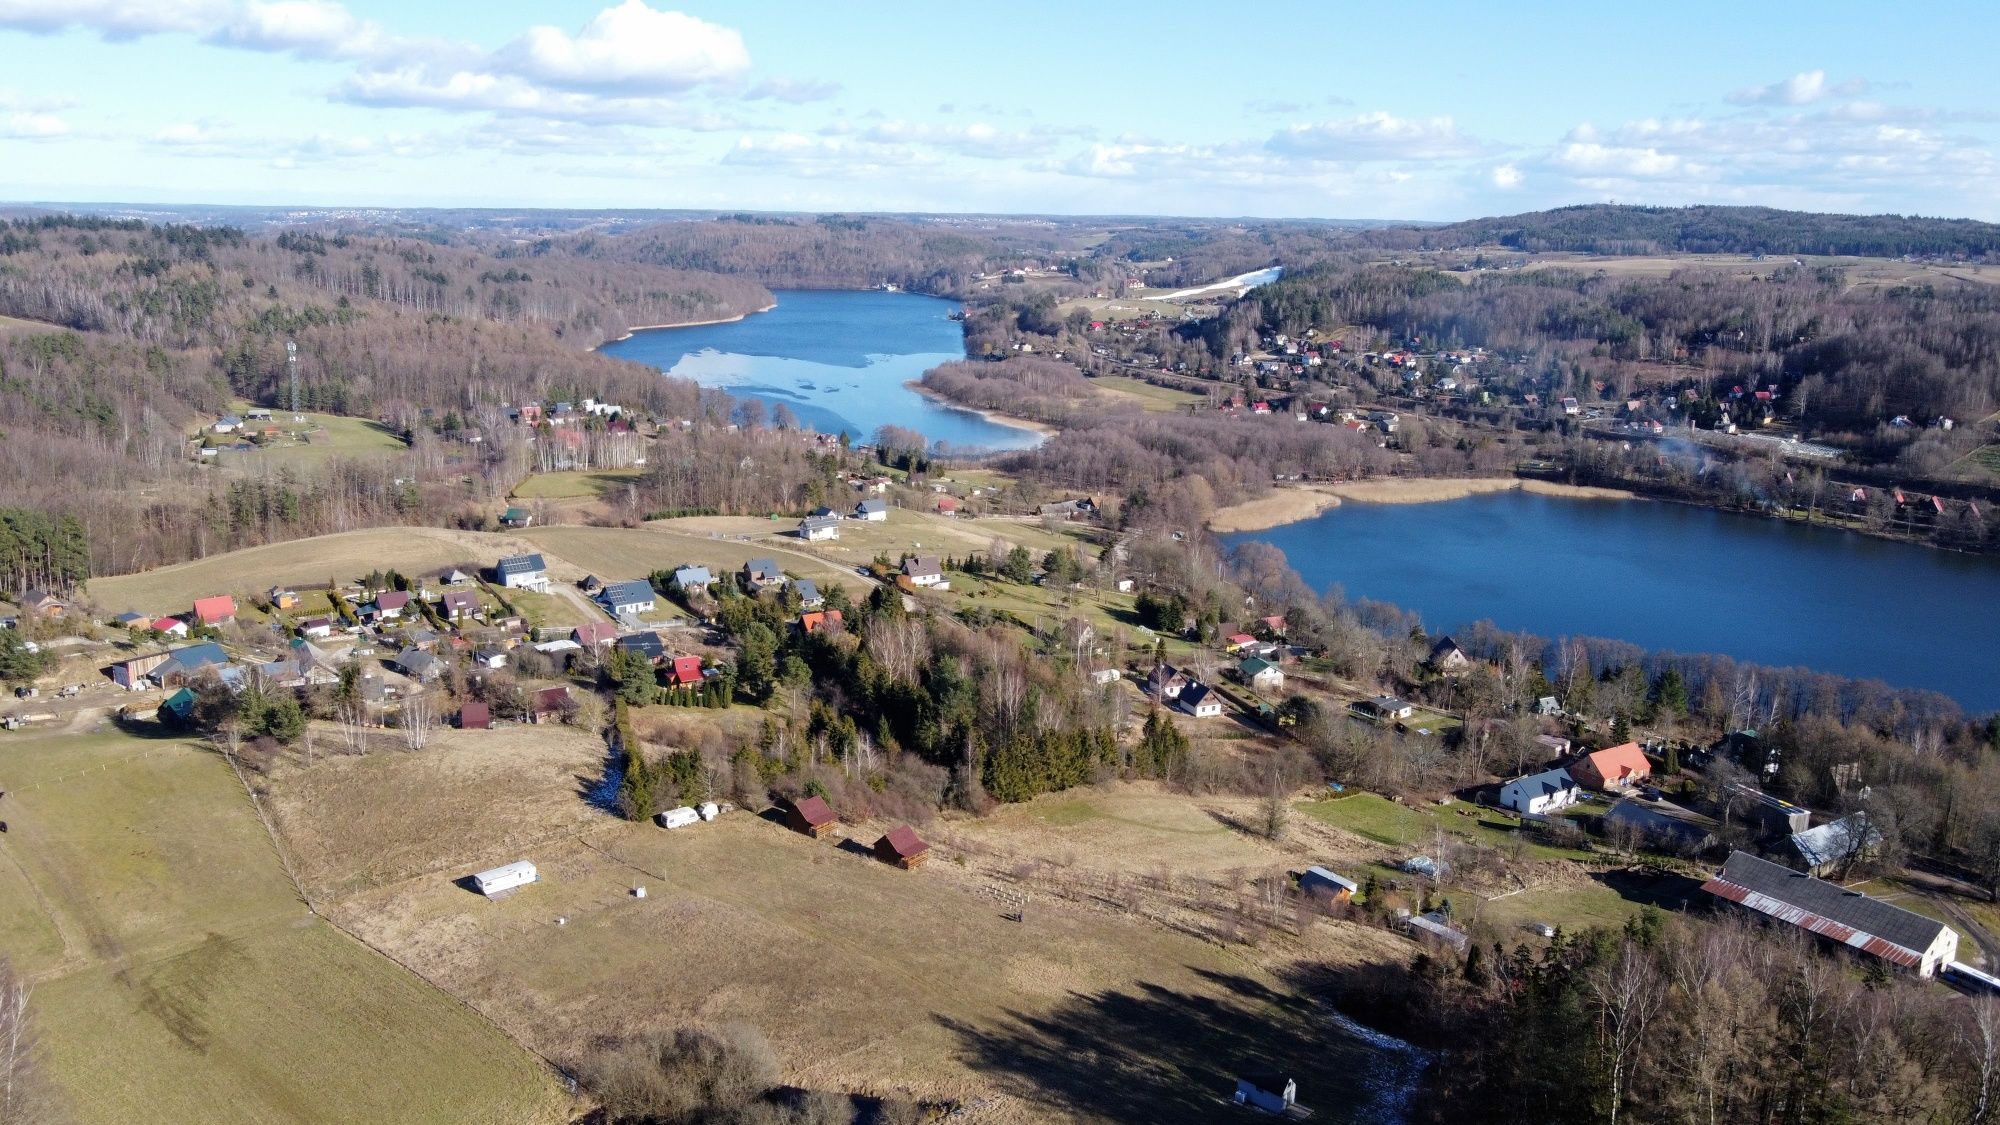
(292, 367)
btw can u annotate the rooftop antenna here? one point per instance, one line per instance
(292, 366)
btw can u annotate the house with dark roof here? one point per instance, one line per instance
(458, 605)
(810, 815)
(1446, 658)
(647, 644)
(1261, 674)
(873, 509)
(1320, 881)
(809, 595)
(516, 518)
(1662, 824)
(1199, 700)
(390, 604)
(1386, 708)
(522, 572)
(901, 847)
(417, 664)
(1853, 919)
(1539, 794)
(762, 574)
(632, 597)
(815, 529)
(1165, 682)
(923, 570)
(549, 703)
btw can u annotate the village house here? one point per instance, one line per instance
(634, 597)
(647, 644)
(692, 579)
(1320, 881)
(1613, 768)
(1447, 659)
(1238, 642)
(132, 674)
(1261, 674)
(901, 847)
(685, 671)
(474, 715)
(872, 509)
(819, 621)
(516, 518)
(1772, 816)
(762, 574)
(281, 598)
(523, 572)
(549, 703)
(185, 664)
(1106, 676)
(808, 592)
(388, 606)
(1199, 700)
(1662, 824)
(218, 610)
(1165, 682)
(1540, 794)
(418, 665)
(171, 627)
(1833, 845)
(458, 605)
(1857, 921)
(809, 815)
(1386, 708)
(817, 529)
(597, 634)
(132, 621)
(923, 570)
(947, 506)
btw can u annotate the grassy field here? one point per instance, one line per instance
(623, 553)
(1162, 399)
(302, 562)
(186, 981)
(858, 973)
(574, 485)
(331, 436)
(1414, 827)
(12, 325)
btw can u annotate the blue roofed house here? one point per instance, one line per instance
(874, 509)
(183, 664)
(809, 595)
(523, 572)
(1539, 794)
(692, 578)
(631, 597)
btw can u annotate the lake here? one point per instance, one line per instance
(837, 359)
(1669, 577)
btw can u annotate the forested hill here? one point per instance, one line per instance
(1613, 229)
(834, 251)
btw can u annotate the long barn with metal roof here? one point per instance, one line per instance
(1836, 913)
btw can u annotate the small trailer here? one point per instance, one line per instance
(678, 818)
(517, 874)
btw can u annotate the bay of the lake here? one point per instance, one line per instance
(837, 359)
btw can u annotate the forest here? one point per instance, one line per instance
(1622, 229)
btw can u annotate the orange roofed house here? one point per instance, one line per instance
(1615, 767)
(218, 610)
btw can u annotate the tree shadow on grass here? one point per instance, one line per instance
(1158, 1054)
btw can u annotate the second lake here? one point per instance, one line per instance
(837, 359)
(1669, 577)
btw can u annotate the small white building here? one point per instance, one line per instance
(678, 818)
(1106, 676)
(1539, 794)
(816, 529)
(709, 810)
(1199, 700)
(517, 874)
(871, 509)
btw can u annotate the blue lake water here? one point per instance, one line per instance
(837, 359)
(1672, 577)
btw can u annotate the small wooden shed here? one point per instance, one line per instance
(474, 715)
(810, 815)
(901, 847)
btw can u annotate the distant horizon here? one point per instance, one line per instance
(1288, 110)
(587, 209)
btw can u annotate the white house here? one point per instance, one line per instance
(692, 578)
(628, 597)
(517, 874)
(1105, 676)
(1199, 700)
(523, 572)
(814, 529)
(872, 509)
(923, 570)
(1539, 794)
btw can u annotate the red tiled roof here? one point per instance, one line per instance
(218, 608)
(687, 669)
(1616, 763)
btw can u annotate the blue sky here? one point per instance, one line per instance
(1427, 111)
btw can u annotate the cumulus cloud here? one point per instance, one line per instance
(312, 28)
(1375, 136)
(1803, 88)
(631, 48)
(1506, 177)
(112, 19)
(29, 125)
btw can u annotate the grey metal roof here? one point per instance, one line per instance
(1546, 783)
(635, 592)
(692, 576)
(1825, 908)
(1835, 840)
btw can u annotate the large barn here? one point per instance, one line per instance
(1836, 913)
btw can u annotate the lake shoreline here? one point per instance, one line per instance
(994, 416)
(638, 328)
(1303, 502)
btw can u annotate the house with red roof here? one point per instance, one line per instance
(218, 610)
(596, 634)
(685, 670)
(1615, 767)
(902, 847)
(809, 815)
(819, 620)
(171, 626)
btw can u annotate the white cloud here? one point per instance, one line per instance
(314, 28)
(976, 139)
(112, 19)
(1375, 136)
(792, 91)
(1803, 88)
(1506, 177)
(802, 154)
(30, 125)
(631, 48)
